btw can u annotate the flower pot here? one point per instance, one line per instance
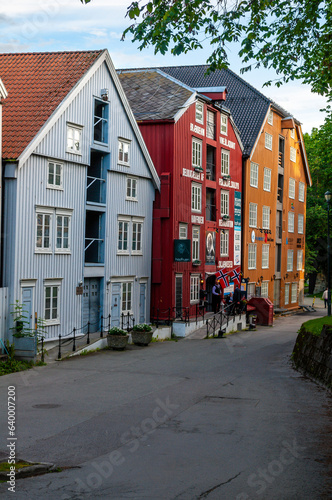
(141, 338)
(117, 342)
(25, 348)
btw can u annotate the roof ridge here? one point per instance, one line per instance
(51, 52)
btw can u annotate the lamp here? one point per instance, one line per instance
(328, 197)
(80, 283)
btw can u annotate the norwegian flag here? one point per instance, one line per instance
(222, 277)
(236, 276)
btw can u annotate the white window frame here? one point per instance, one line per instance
(286, 301)
(52, 284)
(294, 295)
(196, 157)
(300, 223)
(195, 242)
(183, 231)
(252, 255)
(291, 188)
(74, 139)
(127, 291)
(254, 174)
(268, 141)
(44, 212)
(299, 266)
(57, 166)
(301, 191)
(270, 117)
(224, 202)
(137, 236)
(289, 260)
(125, 221)
(196, 197)
(123, 150)
(194, 288)
(266, 217)
(252, 214)
(265, 289)
(199, 112)
(291, 219)
(61, 212)
(131, 189)
(210, 124)
(251, 290)
(223, 124)
(267, 179)
(265, 256)
(224, 243)
(225, 156)
(292, 154)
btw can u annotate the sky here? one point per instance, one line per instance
(61, 25)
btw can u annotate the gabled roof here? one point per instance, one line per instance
(248, 106)
(36, 84)
(154, 95)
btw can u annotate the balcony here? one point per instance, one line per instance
(94, 238)
(211, 163)
(96, 179)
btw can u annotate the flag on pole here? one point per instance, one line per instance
(222, 277)
(236, 276)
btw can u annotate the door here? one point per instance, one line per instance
(276, 294)
(178, 295)
(27, 303)
(116, 304)
(142, 291)
(91, 304)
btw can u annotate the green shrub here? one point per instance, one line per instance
(142, 327)
(115, 330)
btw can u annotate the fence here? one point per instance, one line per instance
(220, 320)
(167, 316)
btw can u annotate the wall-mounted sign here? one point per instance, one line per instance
(226, 223)
(192, 174)
(226, 142)
(229, 184)
(182, 250)
(225, 263)
(79, 290)
(237, 208)
(253, 236)
(197, 129)
(210, 247)
(197, 219)
(237, 246)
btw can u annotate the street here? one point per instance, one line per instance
(217, 419)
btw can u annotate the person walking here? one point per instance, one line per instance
(325, 296)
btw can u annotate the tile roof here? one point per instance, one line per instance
(36, 84)
(247, 105)
(152, 95)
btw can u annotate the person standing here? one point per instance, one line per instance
(325, 296)
(216, 297)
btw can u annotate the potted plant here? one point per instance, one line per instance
(117, 339)
(141, 334)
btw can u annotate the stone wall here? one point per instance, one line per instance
(313, 354)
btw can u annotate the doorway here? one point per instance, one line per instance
(91, 303)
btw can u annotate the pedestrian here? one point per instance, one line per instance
(325, 296)
(202, 297)
(216, 297)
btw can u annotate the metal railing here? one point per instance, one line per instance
(127, 321)
(220, 320)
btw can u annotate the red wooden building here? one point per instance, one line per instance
(197, 153)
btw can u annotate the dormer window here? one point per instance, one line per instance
(223, 124)
(199, 117)
(74, 139)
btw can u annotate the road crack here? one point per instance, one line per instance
(206, 493)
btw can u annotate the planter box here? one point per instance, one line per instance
(25, 348)
(141, 338)
(117, 342)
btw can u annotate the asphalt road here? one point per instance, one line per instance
(193, 419)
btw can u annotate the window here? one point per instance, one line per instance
(123, 152)
(251, 290)
(210, 125)
(267, 179)
(290, 222)
(292, 133)
(123, 230)
(223, 124)
(131, 189)
(74, 139)
(300, 223)
(299, 260)
(194, 288)
(62, 232)
(199, 112)
(252, 256)
(265, 256)
(51, 302)
(270, 117)
(197, 153)
(100, 123)
(294, 293)
(196, 197)
(289, 260)
(265, 289)
(195, 243)
(43, 233)
(292, 154)
(126, 304)
(54, 179)
(224, 243)
(266, 217)
(253, 174)
(224, 162)
(301, 191)
(183, 231)
(268, 141)
(291, 190)
(286, 294)
(253, 214)
(224, 202)
(137, 237)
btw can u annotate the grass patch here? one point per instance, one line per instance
(5, 466)
(314, 326)
(14, 365)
